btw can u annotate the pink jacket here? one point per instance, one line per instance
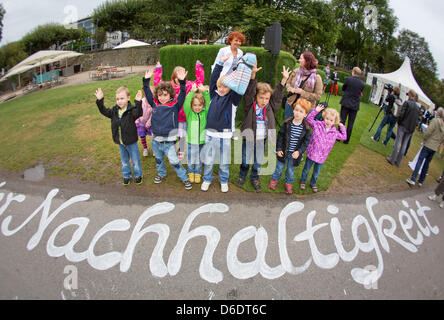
(322, 141)
(145, 119)
(200, 79)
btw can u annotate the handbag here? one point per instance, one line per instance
(239, 79)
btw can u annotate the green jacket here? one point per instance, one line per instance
(434, 134)
(196, 122)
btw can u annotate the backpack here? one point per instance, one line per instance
(397, 107)
(239, 79)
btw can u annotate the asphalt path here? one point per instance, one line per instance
(60, 240)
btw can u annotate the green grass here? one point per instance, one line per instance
(63, 129)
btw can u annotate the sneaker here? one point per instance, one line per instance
(273, 184)
(419, 184)
(224, 187)
(441, 205)
(373, 138)
(433, 197)
(289, 188)
(187, 185)
(145, 152)
(158, 179)
(240, 182)
(180, 156)
(126, 182)
(191, 177)
(439, 180)
(138, 180)
(197, 178)
(410, 182)
(314, 188)
(205, 186)
(256, 185)
(302, 186)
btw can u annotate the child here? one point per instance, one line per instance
(219, 128)
(334, 82)
(164, 124)
(260, 105)
(323, 139)
(196, 108)
(143, 125)
(293, 139)
(200, 79)
(124, 131)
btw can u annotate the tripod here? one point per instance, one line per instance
(380, 110)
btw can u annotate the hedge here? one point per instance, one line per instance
(365, 94)
(186, 56)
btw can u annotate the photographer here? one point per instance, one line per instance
(391, 108)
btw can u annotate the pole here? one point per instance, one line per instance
(271, 68)
(380, 110)
(131, 60)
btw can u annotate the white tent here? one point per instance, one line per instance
(403, 78)
(39, 59)
(131, 43)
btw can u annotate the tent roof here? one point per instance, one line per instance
(404, 77)
(131, 43)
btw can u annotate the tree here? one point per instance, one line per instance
(44, 36)
(11, 54)
(2, 14)
(358, 37)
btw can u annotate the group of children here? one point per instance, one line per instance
(182, 107)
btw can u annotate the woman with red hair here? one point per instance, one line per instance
(234, 40)
(304, 82)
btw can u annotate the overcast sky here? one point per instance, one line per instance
(424, 17)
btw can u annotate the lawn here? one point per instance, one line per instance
(63, 130)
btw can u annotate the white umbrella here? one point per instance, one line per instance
(131, 43)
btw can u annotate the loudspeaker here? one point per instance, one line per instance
(273, 38)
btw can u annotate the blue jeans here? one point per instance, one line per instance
(316, 170)
(402, 139)
(212, 147)
(425, 156)
(289, 173)
(255, 149)
(162, 149)
(390, 120)
(130, 152)
(194, 161)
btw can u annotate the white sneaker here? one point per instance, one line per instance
(410, 182)
(205, 186)
(145, 152)
(224, 187)
(433, 198)
(441, 205)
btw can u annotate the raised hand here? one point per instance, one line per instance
(149, 73)
(99, 94)
(320, 107)
(181, 74)
(138, 96)
(194, 87)
(201, 87)
(255, 69)
(285, 73)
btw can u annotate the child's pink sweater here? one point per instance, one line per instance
(322, 141)
(145, 119)
(200, 79)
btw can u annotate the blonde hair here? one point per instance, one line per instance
(332, 112)
(263, 87)
(174, 74)
(305, 104)
(221, 80)
(199, 97)
(357, 71)
(123, 89)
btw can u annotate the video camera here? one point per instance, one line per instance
(388, 87)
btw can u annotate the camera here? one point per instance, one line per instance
(388, 87)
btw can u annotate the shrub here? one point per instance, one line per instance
(186, 56)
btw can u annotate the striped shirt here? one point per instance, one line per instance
(295, 134)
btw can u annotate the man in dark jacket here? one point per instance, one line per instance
(352, 88)
(407, 121)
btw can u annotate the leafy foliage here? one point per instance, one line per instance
(2, 14)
